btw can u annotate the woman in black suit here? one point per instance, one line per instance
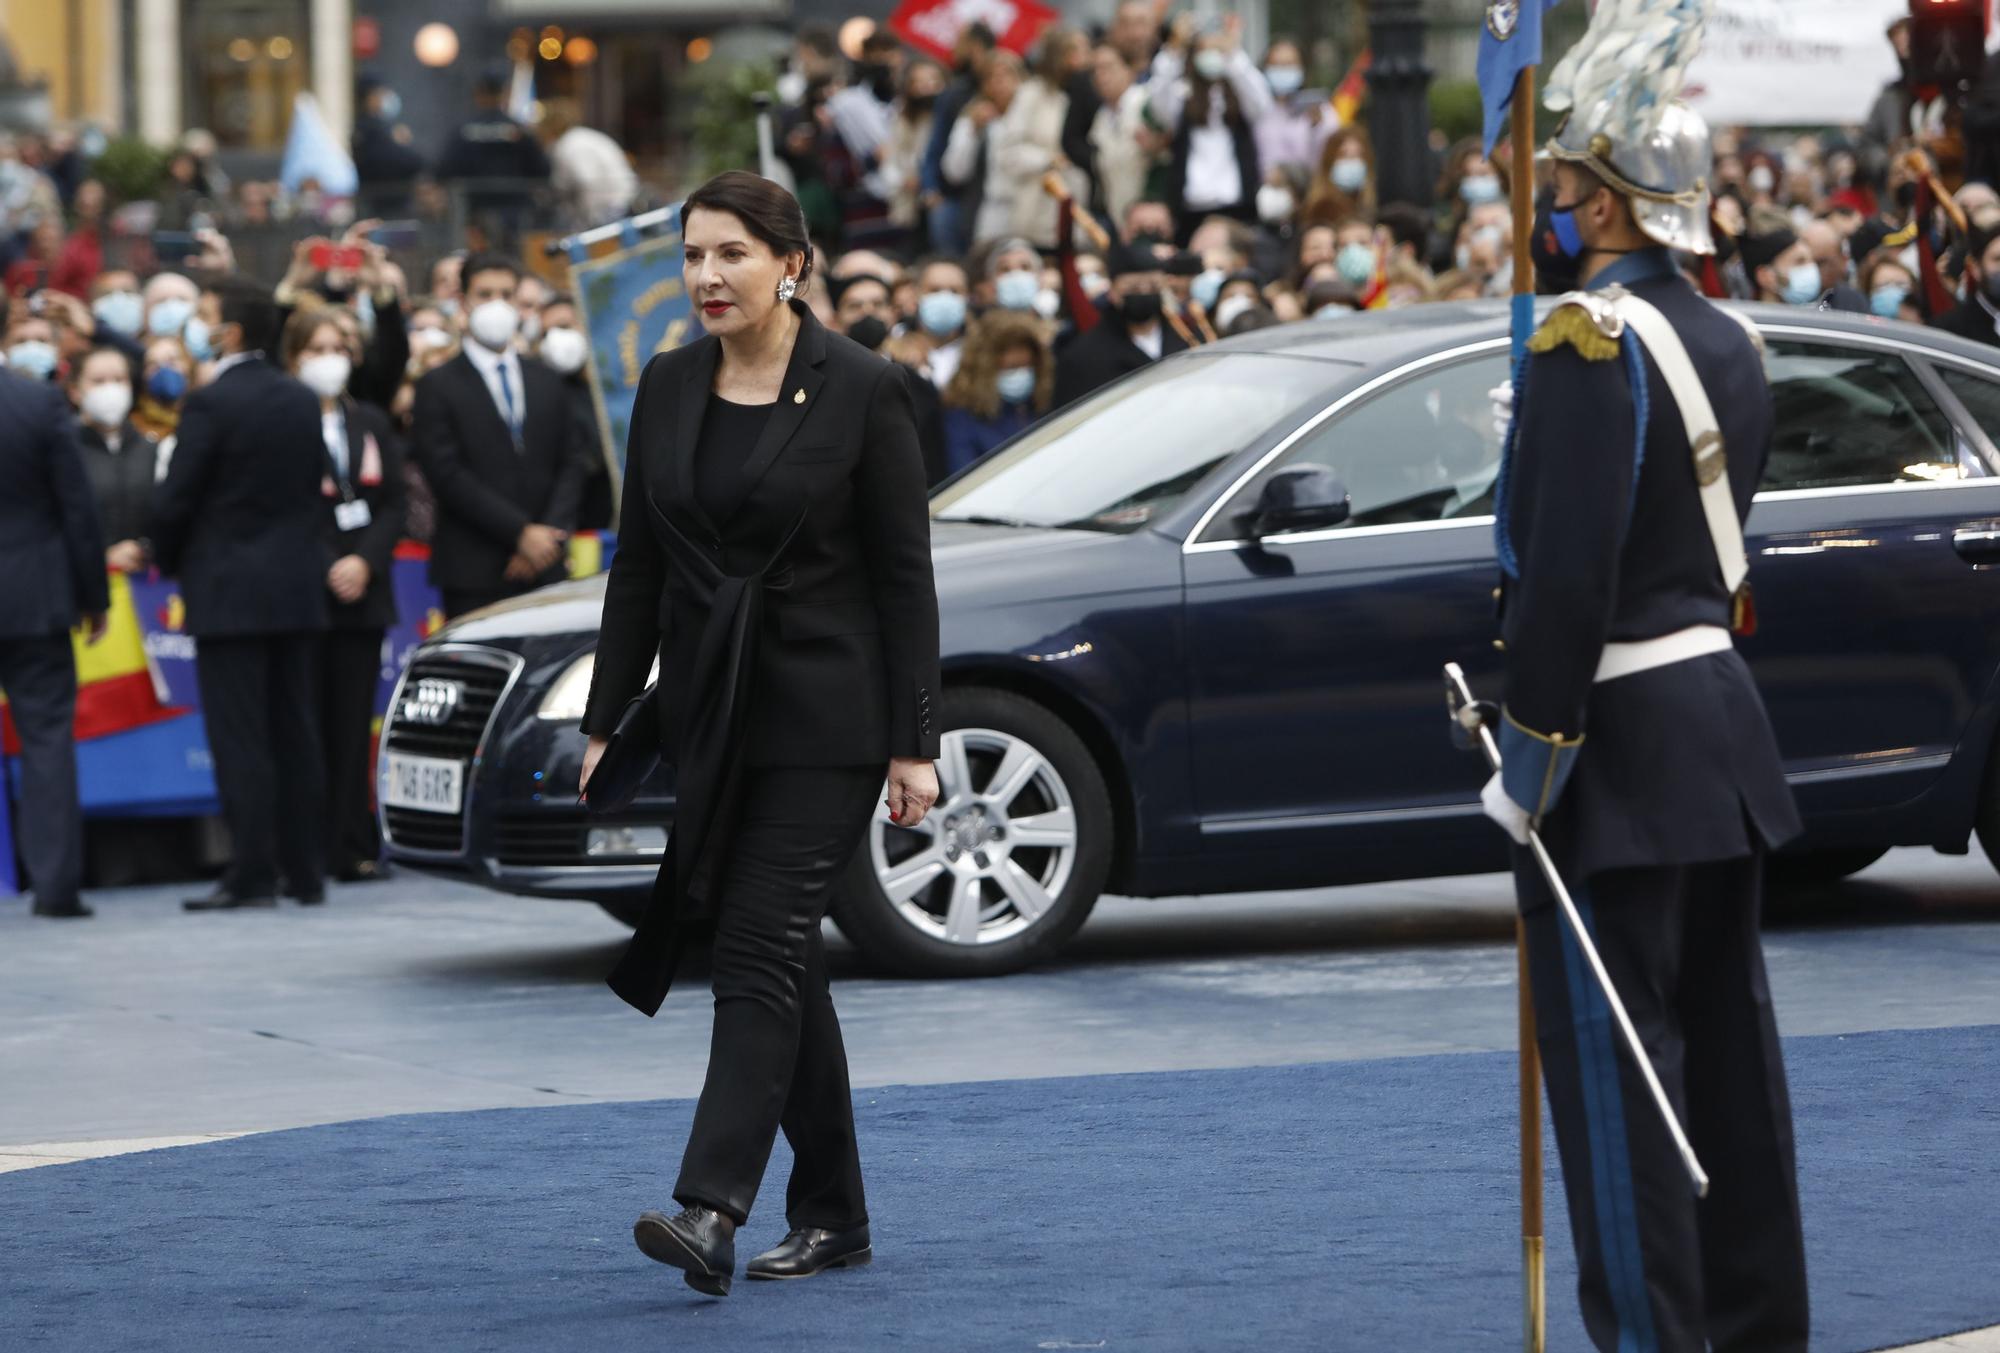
(365, 507)
(774, 555)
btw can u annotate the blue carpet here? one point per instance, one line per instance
(1336, 1206)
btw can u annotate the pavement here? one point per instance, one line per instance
(149, 1028)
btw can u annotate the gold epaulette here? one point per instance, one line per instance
(1585, 320)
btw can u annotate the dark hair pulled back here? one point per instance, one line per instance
(766, 210)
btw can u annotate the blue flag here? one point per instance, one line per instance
(313, 152)
(1510, 40)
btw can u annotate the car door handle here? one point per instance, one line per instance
(1980, 544)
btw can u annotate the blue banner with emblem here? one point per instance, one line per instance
(1510, 41)
(634, 305)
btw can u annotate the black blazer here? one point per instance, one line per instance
(486, 490)
(237, 519)
(1093, 360)
(121, 481)
(847, 662)
(378, 481)
(51, 549)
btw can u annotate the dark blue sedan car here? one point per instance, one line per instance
(1166, 676)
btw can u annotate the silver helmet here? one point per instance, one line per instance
(1619, 86)
(1664, 170)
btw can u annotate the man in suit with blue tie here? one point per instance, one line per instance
(51, 578)
(502, 446)
(237, 521)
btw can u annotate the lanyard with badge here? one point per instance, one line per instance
(350, 513)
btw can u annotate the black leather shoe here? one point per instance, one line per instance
(221, 900)
(694, 1242)
(68, 912)
(809, 1249)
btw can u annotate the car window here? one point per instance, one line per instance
(1427, 449)
(1128, 454)
(1849, 416)
(1981, 397)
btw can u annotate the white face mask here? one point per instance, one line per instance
(494, 323)
(326, 373)
(565, 349)
(1274, 204)
(107, 405)
(1228, 309)
(428, 337)
(1048, 304)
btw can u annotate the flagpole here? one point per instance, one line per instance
(1534, 1310)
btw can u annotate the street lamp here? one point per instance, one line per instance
(1399, 115)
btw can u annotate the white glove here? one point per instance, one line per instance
(1511, 816)
(1502, 396)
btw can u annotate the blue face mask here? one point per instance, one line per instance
(169, 317)
(392, 106)
(1017, 384)
(1285, 80)
(1356, 263)
(1349, 175)
(942, 313)
(1206, 287)
(1801, 284)
(1477, 188)
(1016, 290)
(1887, 299)
(167, 385)
(121, 312)
(200, 343)
(33, 358)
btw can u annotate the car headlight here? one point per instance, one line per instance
(571, 692)
(567, 698)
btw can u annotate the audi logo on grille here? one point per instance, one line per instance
(432, 701)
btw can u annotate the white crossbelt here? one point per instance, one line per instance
(1643, 655)
(1704, 434)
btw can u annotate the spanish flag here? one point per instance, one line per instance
(114, 686)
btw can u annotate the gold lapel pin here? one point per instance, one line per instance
(800, 397)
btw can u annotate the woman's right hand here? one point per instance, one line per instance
(593, 752)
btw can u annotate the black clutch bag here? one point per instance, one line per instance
(632, 754)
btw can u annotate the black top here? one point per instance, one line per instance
(728, 432)
(51, 550)
(121, 481)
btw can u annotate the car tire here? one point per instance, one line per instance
(1822, 867)
(989, 884)
(630, 910)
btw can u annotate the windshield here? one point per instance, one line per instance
(1125, 456)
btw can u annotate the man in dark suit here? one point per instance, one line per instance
(237, 521)
(51, 576)
(501, 443)
(1131, 333)
(1978, 316)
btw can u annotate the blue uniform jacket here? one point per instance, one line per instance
(1601, 538)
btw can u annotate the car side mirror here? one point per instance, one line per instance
(1297, 498)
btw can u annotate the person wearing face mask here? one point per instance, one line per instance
(1890, 288)
(237, 520)
(385, 153)
(1469, 180)
(1978, 315)
(1634, 739)
(500, 443)
(163, 384)
(31, 348)
(909, 137)
(118, 456)
(117, 311)
(1829, 253)
(364, 511)
(565, 350)
(493, 147)
(1014, 274)
(1295, 130)
(1131, 333)
(1344, 187)
(1782, 269)
(169, 300)
(1208, 96)
(1005, 383)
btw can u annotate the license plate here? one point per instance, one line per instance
(428, 783)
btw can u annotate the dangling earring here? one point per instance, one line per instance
(787, 288)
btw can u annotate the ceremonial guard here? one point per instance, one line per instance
(1633, 737)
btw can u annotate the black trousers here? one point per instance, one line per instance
(350, 670)
(1659, 1269)
(39, 676)
(260, 699)
(776, 1059)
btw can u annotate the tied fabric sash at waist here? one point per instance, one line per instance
(707, 776)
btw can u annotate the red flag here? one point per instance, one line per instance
(1937, 296)
(933, 26)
